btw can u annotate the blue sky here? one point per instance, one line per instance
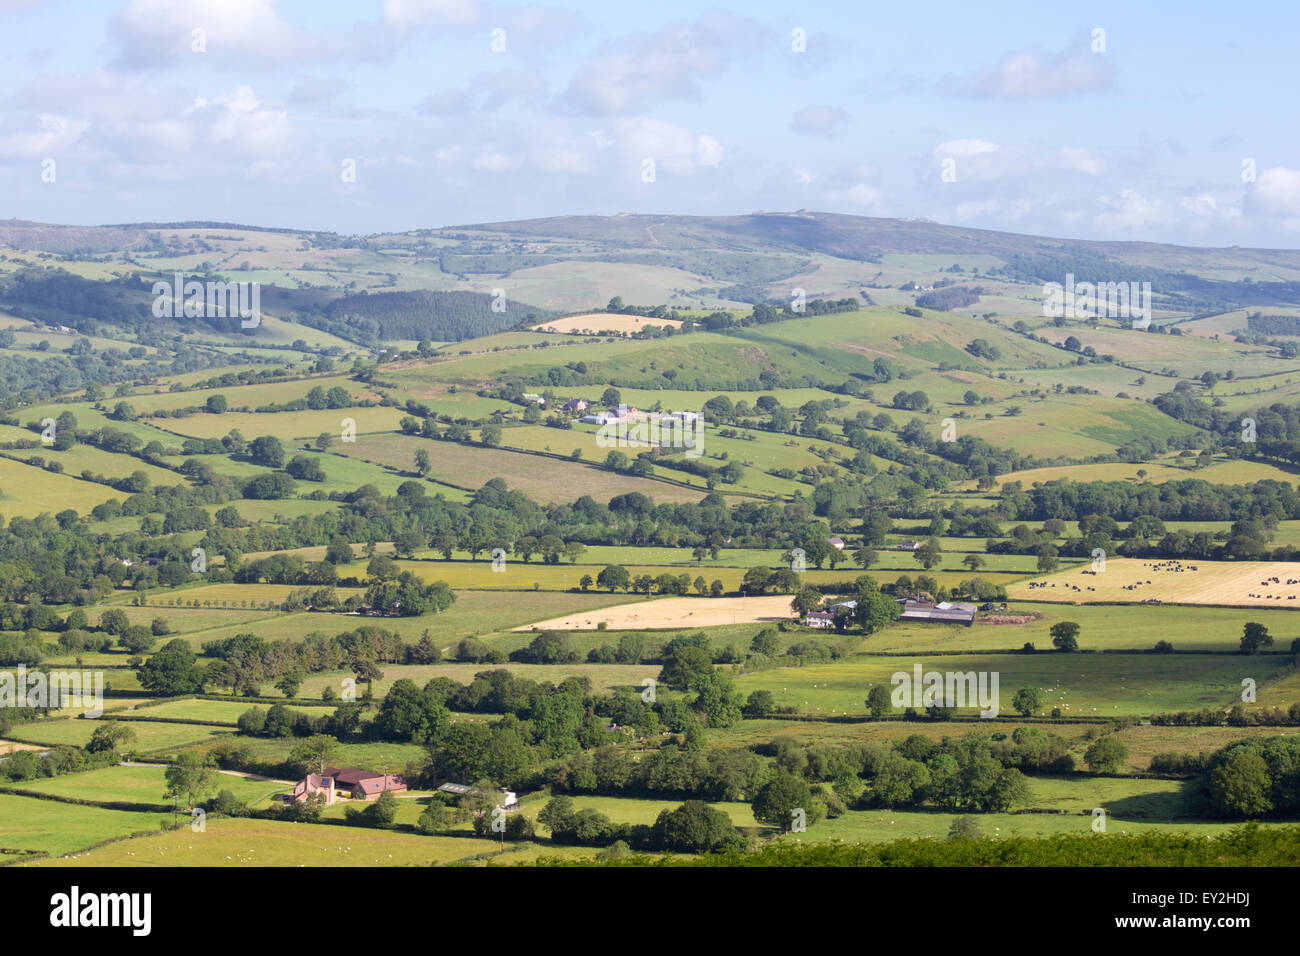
(1174, 124)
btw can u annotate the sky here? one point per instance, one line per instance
(1164, 121)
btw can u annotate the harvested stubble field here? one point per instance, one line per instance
(1136, 580)
(597, 322)
(674, 612)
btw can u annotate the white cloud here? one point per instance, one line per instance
(153, 32)
(978, 159)
(817, 119)
(494, 161)
(405, 13)
(1276, 192)
(487, 93)
(1130, 212)
(638, 71)
(864, 196)
(1036, 73)
(965, 147)
(672, 147)
(52, 135)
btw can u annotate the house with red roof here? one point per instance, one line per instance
(347, 783)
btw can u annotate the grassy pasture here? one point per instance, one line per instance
(26, 491)
(236, 842)
(1081, 685)
(542, 478)
(214, 711)
(1135, 627)
(144, 785)
(604, 677)
(1145, 741)
(148, 735)
(28, 823)
(475, 612)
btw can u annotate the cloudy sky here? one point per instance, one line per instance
(1174, 122)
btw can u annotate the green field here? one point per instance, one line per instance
(28, 823)
(143, 785)
(1081, 685)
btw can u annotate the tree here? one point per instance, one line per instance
(973, 561)
(695, 827)
(807, 600)
(422, 461)
(776, 800)
(760, 704)
(1065, 636)
(614, 577)
(490, 436)
(108, 736)
(1106, 755)
(1047, 558)
(684, 667)
(766, 642)
(1253, 637)
(1241, 785)
(879, 700)
(318, 750)
(864, 557)
(1028, 701)
(929, 554)
(267, 451)
(557, 816)
(289, 684)
(172, 671)
(964, 828)
(189, 777)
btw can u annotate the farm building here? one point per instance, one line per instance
(907, 545)
(509, 799)
(346, 782)
(534, 398)
(836, 542)
(944, 612)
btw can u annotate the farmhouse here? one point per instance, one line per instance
(907, 545)
(346, 782)
(944, 612)
(836, 542)
(574, 405)
(826, 617)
